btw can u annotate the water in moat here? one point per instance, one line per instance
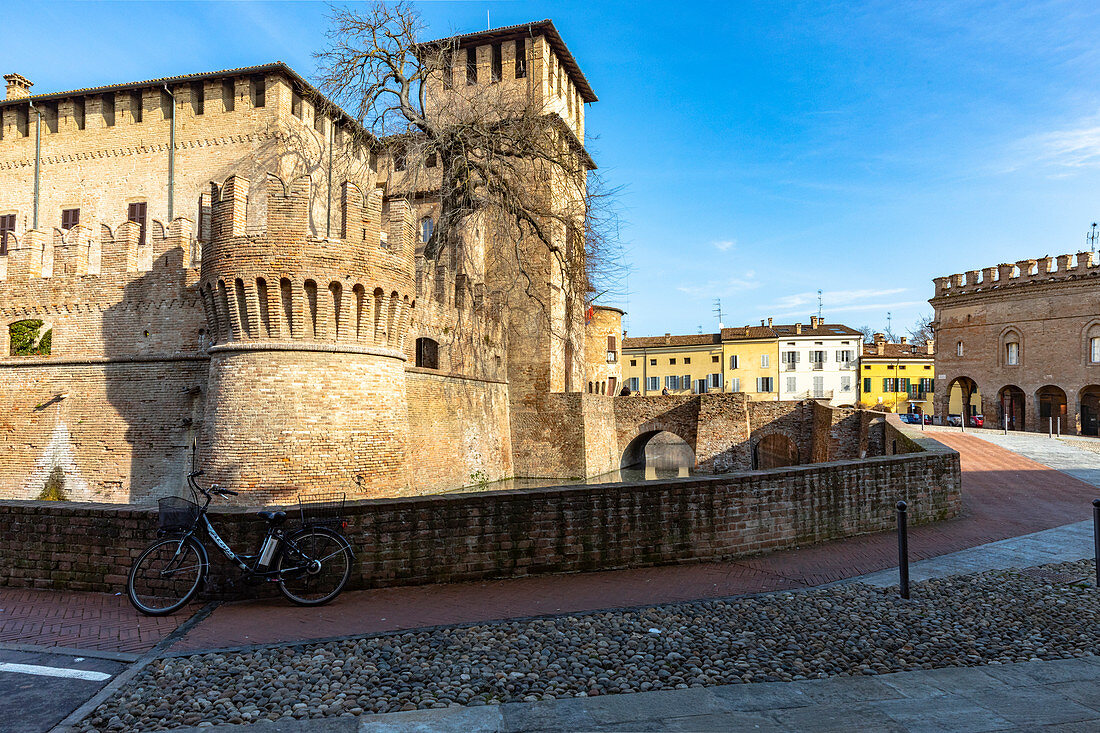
(666, 456)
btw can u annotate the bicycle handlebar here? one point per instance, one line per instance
(212, 489)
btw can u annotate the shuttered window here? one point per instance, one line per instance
(70, 218)
(136, 213)
(7, 226)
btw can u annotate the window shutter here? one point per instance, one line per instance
(735, 384)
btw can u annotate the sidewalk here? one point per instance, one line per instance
(1064, 694)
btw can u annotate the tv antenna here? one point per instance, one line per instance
(718, 312)
(1093, 237)
(888, 323)
(819, 305)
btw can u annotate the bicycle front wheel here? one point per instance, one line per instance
(314, 566)
(166, 576)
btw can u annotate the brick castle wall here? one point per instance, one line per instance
(524, 532)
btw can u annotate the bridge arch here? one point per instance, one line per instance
(634, 452)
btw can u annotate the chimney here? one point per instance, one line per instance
(668, 337)
(930, 347)
(761, 322)
(813, 322)
(19, 86)
(798, 329)
(879, 337)
(769, 323)
(902, 340)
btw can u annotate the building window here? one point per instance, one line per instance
(498, 63)
(136, 106)
(844, 358)
(427, 353)
(399, 160)
(521, 59)
(671, 361)
(136, 213)
(653, 362)
(959, 349)
(471, 65)
(764, 384)
(1094, 343)
(78, 113)
(652, 384)
(716, 359)
(672, 383)
(109, 110)
(1012, 353)
(7, 226)
(733, 361)
(792, 384)
(845, 384)
(714, 381)
(903, 385)
(765, 362)
(296, 104)
(612, 350)
(817, 359)
(632, 383)
(889, 385)
(198, 97)
(318, 117)
(633, 362)
(258, 91)
(927, 384)
(687, 359)
(229, 99)
(426, 228)
(735, 384)
(866, 385)
(70, 218)
(819, 386)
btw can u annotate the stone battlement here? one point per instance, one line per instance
(1043, 269)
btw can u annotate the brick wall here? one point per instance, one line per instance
(525, 532)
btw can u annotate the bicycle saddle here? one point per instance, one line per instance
(273, 517)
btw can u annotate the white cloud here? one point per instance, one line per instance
(725, 244)
(1077, 146)
(714, 288)
(833, 300)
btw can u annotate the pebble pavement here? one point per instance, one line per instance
(995, 617)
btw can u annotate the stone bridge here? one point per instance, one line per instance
(729, 432)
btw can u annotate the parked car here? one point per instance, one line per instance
(955, 421)
(976, 421)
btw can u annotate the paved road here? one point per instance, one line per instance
(1064, 454)
(39, 689)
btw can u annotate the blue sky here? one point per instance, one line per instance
(766, 150)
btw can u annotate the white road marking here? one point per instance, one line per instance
(78, 674)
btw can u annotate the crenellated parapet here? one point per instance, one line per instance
(1044, 269)
(283, 285)
(94, 250)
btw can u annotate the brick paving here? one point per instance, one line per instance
(1004, 495)
(93, 621)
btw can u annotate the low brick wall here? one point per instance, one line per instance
(500, 534)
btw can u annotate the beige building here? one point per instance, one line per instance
(225, 268)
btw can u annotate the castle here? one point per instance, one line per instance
(225, 270)
(1019, 343)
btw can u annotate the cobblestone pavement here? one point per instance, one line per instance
(993, 618)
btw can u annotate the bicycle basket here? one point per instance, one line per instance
(322, 508)
(177, 513)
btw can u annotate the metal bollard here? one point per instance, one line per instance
(1050, 427)
(1096, 536)
(903, 546)
(1058, 428)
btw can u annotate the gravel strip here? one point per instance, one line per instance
(995, 617)
(1089, 445)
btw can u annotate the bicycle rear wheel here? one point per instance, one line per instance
(166, 576)
(314, 566)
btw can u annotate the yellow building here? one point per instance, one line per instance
(899, 377)
(678, 364)
(750, 355)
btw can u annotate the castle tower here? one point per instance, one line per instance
(307, 381)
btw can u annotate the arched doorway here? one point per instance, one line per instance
(1011, 400)
(774, 451)
(1090, 410)
(657, 453)
(1052, 407)
(964, 401)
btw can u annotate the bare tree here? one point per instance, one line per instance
(922, 329)
(488, 156)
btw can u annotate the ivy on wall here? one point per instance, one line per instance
(54, 488)
(26, 341)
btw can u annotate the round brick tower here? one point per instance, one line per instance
(307, 375)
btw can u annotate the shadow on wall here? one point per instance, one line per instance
(157, 394)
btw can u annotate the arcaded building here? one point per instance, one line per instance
(223, 270)
(1020, 344)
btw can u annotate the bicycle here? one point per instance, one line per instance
(310, 563)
